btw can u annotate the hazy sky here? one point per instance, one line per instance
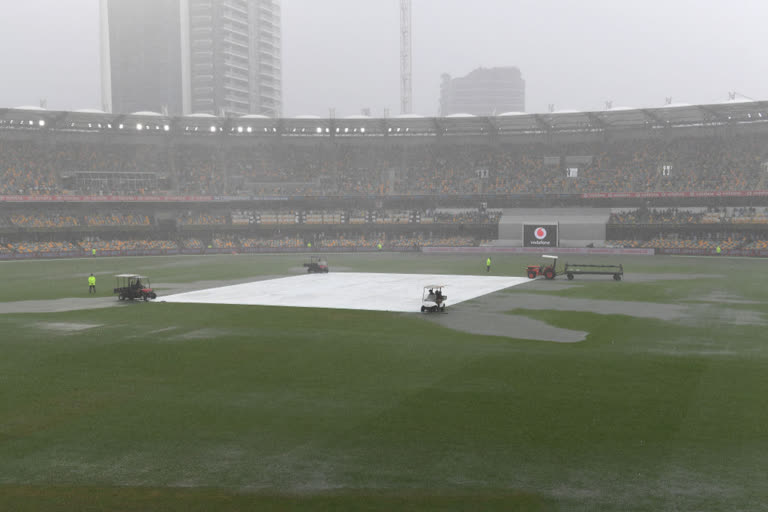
(345, 53)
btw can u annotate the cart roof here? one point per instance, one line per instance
(131, 275)
(434, 286)
(549, 256)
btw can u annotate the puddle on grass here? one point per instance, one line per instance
(65, 327)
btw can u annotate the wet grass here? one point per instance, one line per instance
(195, 407)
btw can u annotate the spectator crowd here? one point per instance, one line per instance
(40, 166)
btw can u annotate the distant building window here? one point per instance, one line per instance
(572, 172)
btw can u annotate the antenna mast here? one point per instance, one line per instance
(406, 82)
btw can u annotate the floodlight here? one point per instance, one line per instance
(139, 126)
(239, 129)
(249, 130)
(213, 129)
(41, 123)
(166, 128)
(319, 130)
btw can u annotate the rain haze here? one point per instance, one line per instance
(343, 54)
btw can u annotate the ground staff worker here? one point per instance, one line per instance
(91, 284)
(488, 264)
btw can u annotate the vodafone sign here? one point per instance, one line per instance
(540, 235)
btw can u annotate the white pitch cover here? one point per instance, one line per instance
(349, 290)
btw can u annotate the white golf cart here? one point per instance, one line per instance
(433, 299)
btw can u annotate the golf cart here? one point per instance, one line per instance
(316, 264)
(432, 299)
(133, 287)
(548, 270)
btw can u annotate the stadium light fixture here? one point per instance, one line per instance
(213, 129)
(139, 126)
(121, 126)
(362, 130)
(274, 130)
(319, 130)
(41, 123)
(327, 130)
(249, 129)
(31, 122)
(239, 129)
(167, 128)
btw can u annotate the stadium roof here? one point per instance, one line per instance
(508, 123)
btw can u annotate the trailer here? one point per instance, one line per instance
(576, 269)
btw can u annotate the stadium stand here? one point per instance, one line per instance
(672, 189)
(56, 220)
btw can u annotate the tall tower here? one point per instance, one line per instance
(192, 56)
(406, 81)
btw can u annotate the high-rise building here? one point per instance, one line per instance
(192, 56)
(483, 92)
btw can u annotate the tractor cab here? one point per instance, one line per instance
(548, 269)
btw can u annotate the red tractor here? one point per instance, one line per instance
(548, 270)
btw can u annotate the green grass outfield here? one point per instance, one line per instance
(192, 407)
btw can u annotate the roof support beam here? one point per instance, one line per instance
(542, 123)
(651, 116)
(597, 121)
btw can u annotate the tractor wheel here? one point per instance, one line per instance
(121, 297)
(549, 274)
(153, 295)
(570, 277)
(531, 275)
(617, 277)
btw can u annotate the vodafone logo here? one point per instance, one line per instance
(540, 233)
